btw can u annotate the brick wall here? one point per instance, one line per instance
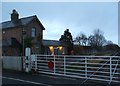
(17, 33)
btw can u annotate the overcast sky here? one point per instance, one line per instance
(79, 17)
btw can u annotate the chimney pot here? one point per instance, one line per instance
(14, 15)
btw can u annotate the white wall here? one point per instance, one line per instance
(12, 62)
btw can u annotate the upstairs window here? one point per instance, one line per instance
(33, 32)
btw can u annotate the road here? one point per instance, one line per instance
(16, 78)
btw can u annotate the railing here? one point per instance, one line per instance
(104, 68)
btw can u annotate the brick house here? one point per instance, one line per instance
(17, 30)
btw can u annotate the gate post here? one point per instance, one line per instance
(64, 65)
(27, 59)
(86, 67)
(110, 69)
(35, 63)
(54, 64)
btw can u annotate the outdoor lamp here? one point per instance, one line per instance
(60, 48)
(51, 48)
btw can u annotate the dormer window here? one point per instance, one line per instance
(33, 32)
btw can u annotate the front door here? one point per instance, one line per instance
(56, 51)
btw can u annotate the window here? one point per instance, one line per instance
(33, 32)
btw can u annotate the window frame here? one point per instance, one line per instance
(33, 32)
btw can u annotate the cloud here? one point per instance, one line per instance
(78, 17)
(54, 29)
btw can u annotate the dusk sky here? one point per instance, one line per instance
(78, 17)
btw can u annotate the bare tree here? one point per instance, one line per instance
(77, 39)
(97, 39)
(91, 40)
(81, 39)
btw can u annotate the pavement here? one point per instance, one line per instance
(16, 78)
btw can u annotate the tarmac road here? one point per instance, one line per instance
(15, 78)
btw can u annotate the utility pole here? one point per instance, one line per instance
(23, 35)
(23, 60)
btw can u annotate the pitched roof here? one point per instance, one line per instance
(20, 22)
(53, 43)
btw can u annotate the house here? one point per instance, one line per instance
(10, 46)
(54, 47)
(19, 33)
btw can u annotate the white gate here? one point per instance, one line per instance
(104, 68)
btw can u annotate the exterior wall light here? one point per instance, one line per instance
(51, 47)
(60, 48)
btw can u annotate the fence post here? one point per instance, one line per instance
(86, 67)
(118, 69)
(35, 62)
(23, 62)
(110, 69)
(64, 65)
(54, 64)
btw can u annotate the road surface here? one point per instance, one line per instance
(15, 78)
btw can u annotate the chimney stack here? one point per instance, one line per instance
(14, 15)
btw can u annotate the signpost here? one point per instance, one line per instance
(50, 64)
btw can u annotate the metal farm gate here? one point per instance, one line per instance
(103, 68)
